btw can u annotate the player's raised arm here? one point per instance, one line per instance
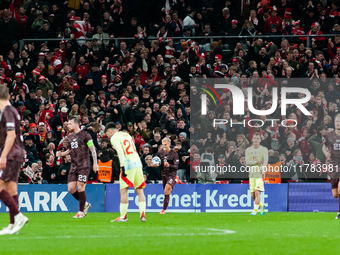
(10, 138)
(63, 153)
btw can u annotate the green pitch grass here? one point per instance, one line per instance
(175, 233)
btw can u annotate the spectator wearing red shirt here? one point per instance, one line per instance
(82, 70)
(273, 19)
(315, 30)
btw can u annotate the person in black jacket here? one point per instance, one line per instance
(225, 19)
(153, 173)
(58, 120)
(92, 130)
(50, 169)
(45, 31)
(207, 33)
(30, 147)
(182, 161)
(289, 149)
(156, 142)
(127, 112)
(261, 58)
(9, 31)
(116, 112)
(64, 169)
(32, 103)
(234, 30)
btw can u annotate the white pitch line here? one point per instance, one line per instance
(216, 232)
(225, 231)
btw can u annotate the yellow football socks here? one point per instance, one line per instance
(123, 210)
(142, 206)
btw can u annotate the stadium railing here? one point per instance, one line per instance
(22, 42)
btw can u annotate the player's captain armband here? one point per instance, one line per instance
(90, 143)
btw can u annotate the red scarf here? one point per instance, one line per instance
(40, 99)
(318, 63)
(63, 133)
(198, 68)
(118, 9)
(48, 126)
(37, 116)
(62, 120)
(31, 133)
(43, 136)
(195, 164)
(197, 51)
(278, 60)
(104, 103)
(8, 18)
(254, 21)
(315, 162)
(275, 136)
(139, 140)
(80, 117)
(161, 36)
(99, 137)
(154, 77)
(179, 25)
(124, 53)
(22, 112)
(50, 164)
(60, 160)
(292, 129)
(298, 162)
(169, 52)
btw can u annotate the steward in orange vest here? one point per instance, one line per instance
(273, 173)
(108, 170)
(105, 171)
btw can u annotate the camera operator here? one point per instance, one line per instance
(37, 178)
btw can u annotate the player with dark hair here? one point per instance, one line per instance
(131, 174)
(11, 158)
(169, 166)
(256, 159)
(331, 149)
(79, 146)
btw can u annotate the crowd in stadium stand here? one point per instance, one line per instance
(144, 85)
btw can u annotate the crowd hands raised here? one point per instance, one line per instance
(151, 88)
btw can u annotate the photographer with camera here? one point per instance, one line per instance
(37, 177)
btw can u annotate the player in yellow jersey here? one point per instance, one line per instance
(256, 159)
(131, 174)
